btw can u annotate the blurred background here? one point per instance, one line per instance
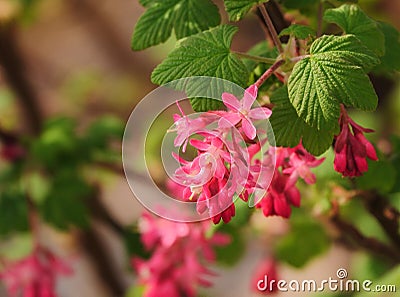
(66, 65)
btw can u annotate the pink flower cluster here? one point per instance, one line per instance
(352, 148)
(35, 275)
(291, 164)
(221, 167)
(179, 251)
(231, 160)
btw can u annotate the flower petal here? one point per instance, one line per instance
(229, 120)
(260, 113)
(249, 97)
(249, 129)
(231, 101)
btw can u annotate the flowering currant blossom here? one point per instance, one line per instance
(35, 275)
(291, 164)
(221, 168)
(230, 161)
(185, 127)
(179, 251)
(352, 148)
(241, 111)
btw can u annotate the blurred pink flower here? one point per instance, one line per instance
(265, 278)
(35, 275)
(280, 196)
(179, 252)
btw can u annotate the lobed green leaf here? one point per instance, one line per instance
(298, 31)
(237, 9)
(354, 21)
(334, 73)
(204, 54)
(186, 17)
(289, 128)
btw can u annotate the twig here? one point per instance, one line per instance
(13, 65)
(271, 28)
(386, 215)
(101, 260)
(320, 18)
(99, 211)
(368, 243)
(269, 72)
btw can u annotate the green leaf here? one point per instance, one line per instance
(103, 130)
(57, 144)
(147, 3)
(317, 141)
(38, 186)
(381, 176)
(333, 74)
(229, 255)
(14, 212)
(65, 203)
(306, 240)
(392, 279)
(298, 31)
(354, 21)
(136, 291)
(186, 17)
(289, 128)
(17, 246)
(204, 54)
(237, 9)
(391, 59)
(134, 245)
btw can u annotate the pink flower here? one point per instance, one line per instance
(352, 148)
(242, 111)
(300, 162)
(265, 277)
(180, 251)
(185, 126)
(280, 196)
(35, 275)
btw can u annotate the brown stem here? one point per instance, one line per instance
(386, 215)
(101, 260)
(94, 245)
(367, 243)
(100, 212)
(14, 69)
(269, 72)
(320, 18)
(271, 28)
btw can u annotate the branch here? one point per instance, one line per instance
(100, 212)
(367, 243)
(14, 69)
(101, 260)
(94, 245)
(269, 72)
(386, 215)
(320, 18)
(271, 28)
